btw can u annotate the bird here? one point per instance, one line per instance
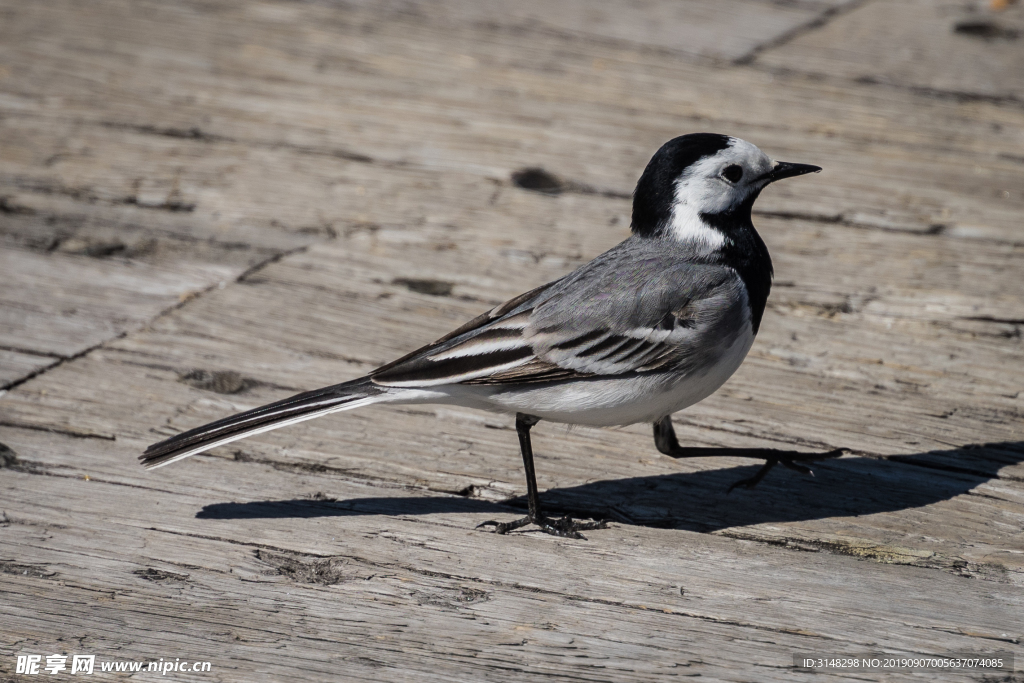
(652, 326)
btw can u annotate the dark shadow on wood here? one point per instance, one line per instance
(697, 501)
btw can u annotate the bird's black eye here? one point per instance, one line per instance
(732, 173)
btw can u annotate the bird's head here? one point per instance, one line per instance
(695, 178)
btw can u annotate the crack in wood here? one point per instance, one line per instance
(41, 468)
(993, 319)
(958, 96)
(789, 36)
(58, 430)
(151, 574)
(252, 270)
(36, 571)
(199, 135)
(323, 571)
(391, 566)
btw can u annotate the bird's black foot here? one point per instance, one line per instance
(666, 441)
(566, 527)
(777, 459)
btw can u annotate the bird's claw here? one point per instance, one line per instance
(789, 462)
(566, 526)
(797, 467)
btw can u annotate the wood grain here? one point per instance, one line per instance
(205, 206)
(966, 50)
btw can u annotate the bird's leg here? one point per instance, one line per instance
(565, 526)
(666, 442)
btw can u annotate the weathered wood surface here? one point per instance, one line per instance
(207, 206)
(911, 44)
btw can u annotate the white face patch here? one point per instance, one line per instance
(702, 189)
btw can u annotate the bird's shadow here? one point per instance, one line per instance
(698, 501)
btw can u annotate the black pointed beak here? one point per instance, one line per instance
(784, 169)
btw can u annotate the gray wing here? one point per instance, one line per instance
(632, 309)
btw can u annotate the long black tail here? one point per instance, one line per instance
(304, 406)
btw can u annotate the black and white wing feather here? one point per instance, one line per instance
(634, 309)
(624, 312)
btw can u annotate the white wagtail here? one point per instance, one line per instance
(650, 327)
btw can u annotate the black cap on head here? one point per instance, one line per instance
(654, 194)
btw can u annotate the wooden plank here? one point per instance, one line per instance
(391, 567)
(102, 191)
(63, 305)
(722, 30)
(87, 261)
(966, 50)
(483, 100)
(849, 364)
(147, 144)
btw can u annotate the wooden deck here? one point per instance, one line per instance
(206, 205)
